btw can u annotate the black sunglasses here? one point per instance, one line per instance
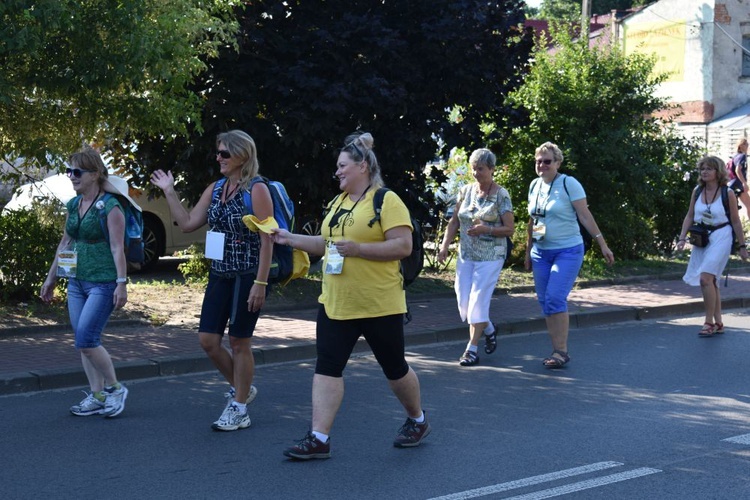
(224, 153)
(77, 172)
(546, 162)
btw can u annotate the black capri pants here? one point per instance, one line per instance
(335, 341)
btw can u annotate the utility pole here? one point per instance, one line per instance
(585, 17)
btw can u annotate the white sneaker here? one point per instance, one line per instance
(231, 420)
(115, 402)
(89, 406)
(229, 395)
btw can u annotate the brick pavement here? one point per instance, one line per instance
(46, 358)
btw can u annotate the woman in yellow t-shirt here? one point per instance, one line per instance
(362, 295)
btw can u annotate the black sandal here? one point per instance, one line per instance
(490, 342)
(552, 362)
(469, 358)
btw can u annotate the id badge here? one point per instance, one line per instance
(67, 261)
(538, 230)
(214, 245)
(335, 261)
(708, 219)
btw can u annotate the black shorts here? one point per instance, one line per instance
(335, 341)
(736, 186)
(225, 302)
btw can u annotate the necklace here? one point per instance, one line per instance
(705, 195)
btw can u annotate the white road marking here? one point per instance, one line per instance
(585, 485)
(529, 481)
(743, 439)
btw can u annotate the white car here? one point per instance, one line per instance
(161, 236)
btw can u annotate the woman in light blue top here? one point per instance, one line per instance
(554, 248)
(484, 217)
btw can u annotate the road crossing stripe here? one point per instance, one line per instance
(529, 481)
(585, 485)
(743, 439)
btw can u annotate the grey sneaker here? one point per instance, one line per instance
(309, 447)
(89, 406)
(231, 420)
(115, 402)
(411, 433)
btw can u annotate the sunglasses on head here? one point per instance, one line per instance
(224, 153)
(545, 161)
(77, 172)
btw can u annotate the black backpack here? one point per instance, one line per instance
(587, 238)
(412, 264)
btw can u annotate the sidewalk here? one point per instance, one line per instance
(46, 359)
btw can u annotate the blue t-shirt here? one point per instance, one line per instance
(553, 206)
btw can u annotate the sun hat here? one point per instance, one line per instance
(300, 259)
(254, 224)
(118, 185)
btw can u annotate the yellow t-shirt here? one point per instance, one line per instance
(365, 288)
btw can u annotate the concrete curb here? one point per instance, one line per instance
(39, 380)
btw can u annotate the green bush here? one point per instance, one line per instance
(195, 269)
(28, 239)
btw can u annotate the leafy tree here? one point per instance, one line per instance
(83, 69)
(598, 105)
(570, 10)
(307, 74)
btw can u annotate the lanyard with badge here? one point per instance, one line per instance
(708, 218)
(538, 227)
(67, 259)
(334, 260)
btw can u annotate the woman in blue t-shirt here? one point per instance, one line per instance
(554, 248)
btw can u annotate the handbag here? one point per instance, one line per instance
(699, 235)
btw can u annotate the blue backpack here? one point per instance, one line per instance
(134, 252)
(283, 211)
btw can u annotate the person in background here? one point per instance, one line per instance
(97, 279)
(554, 246)
(739, 183)
(238, 280)
(363, 295)
(706, 263)
(484, 217)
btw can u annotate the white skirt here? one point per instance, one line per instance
(711, 259)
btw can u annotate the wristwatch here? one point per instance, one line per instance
(121, 280)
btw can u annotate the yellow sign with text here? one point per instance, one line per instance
(665, 40)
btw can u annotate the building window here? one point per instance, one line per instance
(746, 56)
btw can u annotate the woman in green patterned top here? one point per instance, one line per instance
(97, 278)
(484, 218)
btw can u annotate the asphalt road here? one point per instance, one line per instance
(644, 410)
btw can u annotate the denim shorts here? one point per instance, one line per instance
(89, 307)
(555, 273)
